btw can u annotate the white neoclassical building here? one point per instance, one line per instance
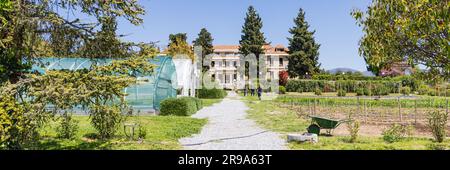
(225, 63)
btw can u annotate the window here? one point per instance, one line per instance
(269, 59)
(212, 63)
(235, 63)
(281, 62)
(227, 78)
(213, 77)
(234, 76)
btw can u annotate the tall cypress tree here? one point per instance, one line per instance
(252, 39)
(303, 50)
(205, 41)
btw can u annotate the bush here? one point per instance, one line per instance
(282, 90)
(68, 127)
(341, 93)
(432, 92)
(211, 93)
(437, 122)
(367, 92)
(142, 132)
(423, 90)
(405, 91)
(183, 106)
(396, 133)
(16, 127)
(318, 92)
(353, 129)
(106, 119)
(360, 91)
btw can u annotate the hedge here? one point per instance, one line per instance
(376, 87)
(183, 106)
(211, 93)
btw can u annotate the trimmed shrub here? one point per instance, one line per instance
(341, 93)
(282, 90)
(437, 122)
(405, 91)
(211, 93)
(183, 106)
(318, 92)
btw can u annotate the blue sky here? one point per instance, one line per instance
(336, 30)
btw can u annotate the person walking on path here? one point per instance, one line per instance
(259, 92)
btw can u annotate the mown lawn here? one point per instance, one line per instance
(271, 116)
(209, 102)
(163, 132)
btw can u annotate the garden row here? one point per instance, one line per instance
(362, 88)
(404, 103)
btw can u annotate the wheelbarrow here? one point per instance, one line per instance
(318, 123)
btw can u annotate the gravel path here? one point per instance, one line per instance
(229, 129)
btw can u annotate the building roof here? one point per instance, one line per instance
(268, 49)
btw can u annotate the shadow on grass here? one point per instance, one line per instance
(87, 142)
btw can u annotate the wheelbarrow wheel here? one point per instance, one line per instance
(313, 128)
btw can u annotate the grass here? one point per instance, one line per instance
(271, 116)
(163, 132)
(210, 102)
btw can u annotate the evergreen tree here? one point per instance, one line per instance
(205, 41)
(179, 46)
(303, 50)
(252, 39)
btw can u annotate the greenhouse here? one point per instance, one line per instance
(145, 96)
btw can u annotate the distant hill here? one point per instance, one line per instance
(335, 70)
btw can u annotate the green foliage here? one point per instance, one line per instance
(39, 28)
(405, 90)
(360, 91)
(15, 127)
(205, 41)
(437, 122)
(396, 133)
(68, 126)
(106, 119)
(282, 90)
(318, 92)
(351, 86)
(183, 106)
(353, 129)
(303, 50)
(415, 30)
(423, 89)
(341, 93)
(214, 93)
(367, 92)
(179, 46)
(142, 132)
(252, 38)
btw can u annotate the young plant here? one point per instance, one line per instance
(68, 126)
(397, 132)
(353, 129)
(437, 122)
(317, 91)
(341, 93)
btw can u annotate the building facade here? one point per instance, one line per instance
(225, 62)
